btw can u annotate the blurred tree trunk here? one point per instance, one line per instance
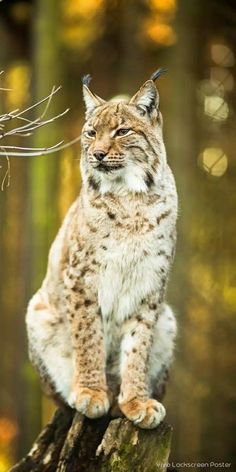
(44, 170)
(71, 443)
(41, 211)
(182, 142)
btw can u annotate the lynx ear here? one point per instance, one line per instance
(91, 100)
(147, 98)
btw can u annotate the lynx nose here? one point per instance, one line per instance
(99, 155)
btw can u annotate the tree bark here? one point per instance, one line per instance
(72, 443)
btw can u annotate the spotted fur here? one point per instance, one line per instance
(99, 328)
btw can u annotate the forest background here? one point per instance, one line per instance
(121, 42)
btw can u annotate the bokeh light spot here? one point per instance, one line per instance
(8, 430)
(216, 108)
(213, 161)
(222, 55)
(82, 8)
(160, 33)
(165, 6)
(221, 77)
(81, 23)
(17, 79)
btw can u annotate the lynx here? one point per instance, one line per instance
(100, 332)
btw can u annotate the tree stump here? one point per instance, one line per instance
(73, 443)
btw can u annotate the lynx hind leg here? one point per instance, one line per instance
(50, 349)
(46, 381)
(162, 352)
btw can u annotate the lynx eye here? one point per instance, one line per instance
(123, 131)
(91, 133)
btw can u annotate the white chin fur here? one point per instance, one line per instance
(121, 181)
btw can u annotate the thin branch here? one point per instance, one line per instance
(33, 148)
(8, 116)
(7, 176)
(47, 150)
(4, 89)
(27, 128)
(48, 98)
(31, 126)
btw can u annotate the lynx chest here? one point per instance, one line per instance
(133, 245)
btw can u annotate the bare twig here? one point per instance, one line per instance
(7, 177)
(44, 152)
(26, 128)
(30, 125)
(5, 89)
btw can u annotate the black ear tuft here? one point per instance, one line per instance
(86, 79)
(157, 74)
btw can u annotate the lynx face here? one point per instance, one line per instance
(122, 145)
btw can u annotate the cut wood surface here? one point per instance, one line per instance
(73, 443)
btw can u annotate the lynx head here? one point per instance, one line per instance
(122, 145)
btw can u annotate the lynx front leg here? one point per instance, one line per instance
(89, 390)
(134, 398)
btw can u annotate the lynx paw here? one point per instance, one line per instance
(92, 403)
(145, 414)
